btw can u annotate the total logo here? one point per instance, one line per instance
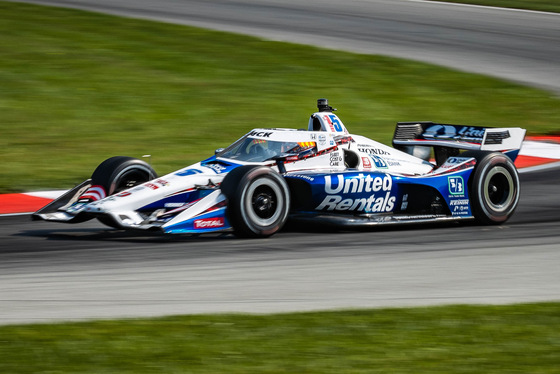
(209, 223)
(379, 188)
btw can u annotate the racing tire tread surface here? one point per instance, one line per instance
(493, 187)
(258, 201)
(113, 172)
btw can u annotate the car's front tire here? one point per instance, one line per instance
(493, 187)
(119, 173)
(258, 201)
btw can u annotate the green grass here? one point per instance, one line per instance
(453, 339)
(540, 5)
(78, 87)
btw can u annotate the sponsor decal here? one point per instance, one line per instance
(358, 184)
(306, 177)
(260, 134)
(378, 188)
(209, 223)
(366, 163)
(454, 132)
(452, 162)
(456, 185)
(335, 159)
(379, 162)
(217, 168)
(322, 139)
(459, 206)
(459, 202)
(151, 186)
(471, 132)
(372, 151)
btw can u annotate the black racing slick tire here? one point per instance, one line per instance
(119, 173)
(493, 187)
(258, 201)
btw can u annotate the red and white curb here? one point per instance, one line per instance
(537, 153)
(25, 203)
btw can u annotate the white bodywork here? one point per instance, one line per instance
(325, 147)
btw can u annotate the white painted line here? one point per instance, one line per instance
(485, 7)
(15, 214)
(552, 165)
(540, 149)
(47, 194)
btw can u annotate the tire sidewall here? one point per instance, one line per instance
(241, 211)
(488, 166)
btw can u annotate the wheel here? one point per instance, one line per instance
(258, 201)
(493, 186)
(119, 173)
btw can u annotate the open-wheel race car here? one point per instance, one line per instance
(322, 174)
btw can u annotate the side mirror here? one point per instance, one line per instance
(219, 150)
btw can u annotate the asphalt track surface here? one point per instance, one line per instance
(52, 271)
(516, 45)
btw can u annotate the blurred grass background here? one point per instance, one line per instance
(79, 87)
(453, 339)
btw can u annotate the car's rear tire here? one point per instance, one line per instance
(493, 187)
(258, 201)
(119, 173)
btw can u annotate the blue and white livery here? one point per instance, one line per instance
(325, 175)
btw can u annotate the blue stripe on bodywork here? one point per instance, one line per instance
(201, 224)
(184, 198)
(374, 192)
(218, 166)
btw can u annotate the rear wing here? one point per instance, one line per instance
(452, 138)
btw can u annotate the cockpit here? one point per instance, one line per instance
(258, 150)
(325, 131)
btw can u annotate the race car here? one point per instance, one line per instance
(323, 174)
